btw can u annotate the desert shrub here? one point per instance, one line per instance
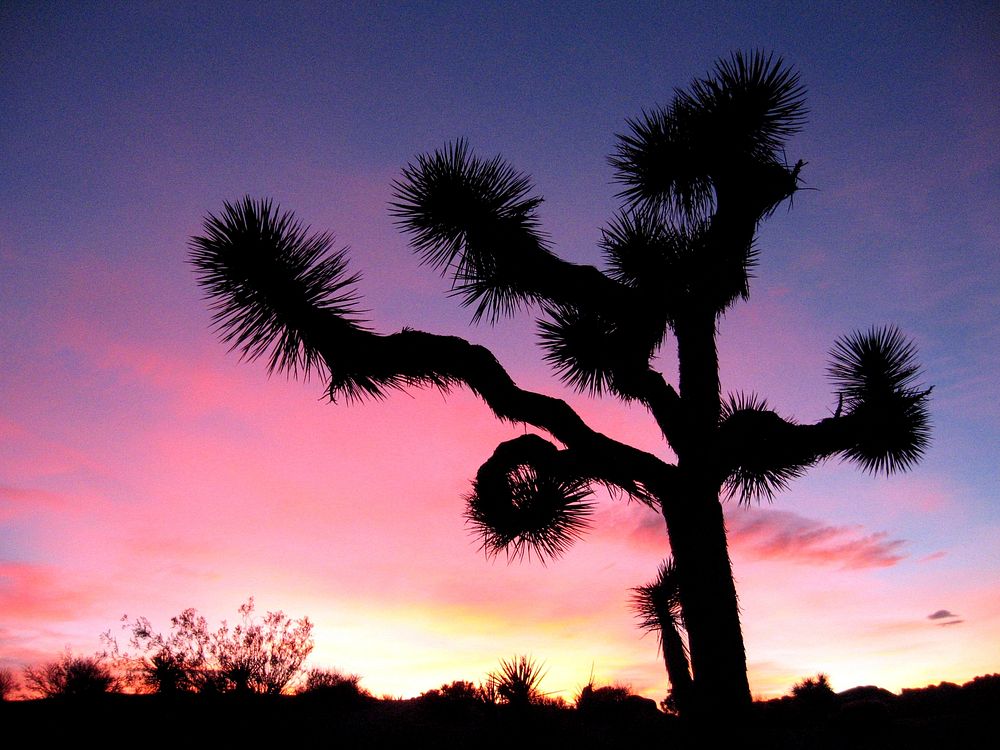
(330, 679)
(814, 696)
(615, 703)
(516, 682)
(457, 692)
(592, 698)
(71, 676)
(8, 684)
(553, 701)
(812, 688)
(461, 690)
(253, 656)
(334, 686)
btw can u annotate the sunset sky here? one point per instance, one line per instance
(144, 470)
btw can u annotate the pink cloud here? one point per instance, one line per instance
(788, 536)
(9, 430)
(40, 593)
(933, 556)
(772, 534)
(15, 501)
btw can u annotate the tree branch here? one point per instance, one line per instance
(416, 357)
(277, 290)
(762, 451)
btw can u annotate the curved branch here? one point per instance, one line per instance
(525, 499)
(662, 400)
(416, 357)
(277, 289)
(534, 450)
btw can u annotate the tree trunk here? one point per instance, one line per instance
(676, 661)
(708, 597)
(697, 530)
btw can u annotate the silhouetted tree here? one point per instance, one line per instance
(592, 697)
(459, 691)
(698, 177)
(814, 696)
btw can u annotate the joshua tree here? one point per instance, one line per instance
(698, 177)
(658, 607)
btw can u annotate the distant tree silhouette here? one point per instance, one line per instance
(8, 683)
(461, 692)
(334, 687)
(71, 677)
(259, 656)
(818, 685)
(698, 177)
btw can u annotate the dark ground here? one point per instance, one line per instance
(943, 716)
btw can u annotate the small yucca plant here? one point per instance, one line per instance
(517, 682)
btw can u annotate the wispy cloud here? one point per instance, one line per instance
(18, 500)
(788, 536)
(30, 592)
(948, 617)
(940, 615)
(780, 535)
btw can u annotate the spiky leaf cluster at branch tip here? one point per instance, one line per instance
(759, 475)
(525, 510)
(466, 216)
(725, 133)
(267, 276)
(658, 604)
(876, 374)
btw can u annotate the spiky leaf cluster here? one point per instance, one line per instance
(517, 682)
(680, 266)
(266, 275)
(761, 473)
(876, 375)
(528, 509)
(472, 218)
(725, 132)
(591, 352)
(658, 603)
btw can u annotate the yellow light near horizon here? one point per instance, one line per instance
(403, 652)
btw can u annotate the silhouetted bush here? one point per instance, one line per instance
(71, 676)
(613, 702)
(254, 656)
(813, 689)
(8, 684)
(458, 691)
(334, 685)
(591, 697)
(515, 683)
